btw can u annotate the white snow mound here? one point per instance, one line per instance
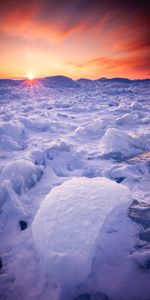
(68, 222)
(23, 175)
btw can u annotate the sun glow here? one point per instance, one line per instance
(30, 76)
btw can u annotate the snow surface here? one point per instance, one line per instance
(60, 136)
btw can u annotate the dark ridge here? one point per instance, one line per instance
(84, 80)
(87, 296)
(139, 212)
(1, 265)
(145, 235)
(145, 266)
(119, 179)
(23, 225)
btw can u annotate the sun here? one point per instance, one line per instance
(30, 76)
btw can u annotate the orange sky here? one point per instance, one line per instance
(76, 38)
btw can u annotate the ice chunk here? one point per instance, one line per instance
(38, 156)
(56, 148)
(11, 135)
(12, 129)
(8, 144)
(23, 174)
(68, 222)
(142, 260)
(119, 145)
(94, 129)
(11, 209)
(127, 119)
(36, 125)
(136, 106)
(139, 212)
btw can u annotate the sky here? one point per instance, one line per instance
(75, 38)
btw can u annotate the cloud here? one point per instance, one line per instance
(65, 16)
(138, 45)
(112, 30)
(122, 65)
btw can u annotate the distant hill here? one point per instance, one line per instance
(66, 82)
(59, 82)
(10, 82)
(122, 80)
(51, 82)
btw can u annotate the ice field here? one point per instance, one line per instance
(75, 189)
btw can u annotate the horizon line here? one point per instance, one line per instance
(85, 78)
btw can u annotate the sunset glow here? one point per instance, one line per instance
(75, 38)
(30, 76)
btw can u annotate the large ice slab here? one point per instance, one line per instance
(68, 222)
(118, 144)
